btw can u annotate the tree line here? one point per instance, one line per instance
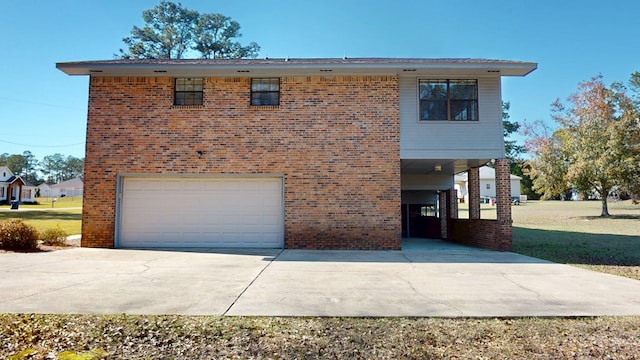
(51, 169)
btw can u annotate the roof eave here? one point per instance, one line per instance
(487, 68)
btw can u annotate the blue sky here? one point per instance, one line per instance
(44, 111)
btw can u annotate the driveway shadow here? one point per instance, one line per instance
(441, 254)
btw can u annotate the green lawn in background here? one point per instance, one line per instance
(68, 220)
(572, 232)
(45, 203)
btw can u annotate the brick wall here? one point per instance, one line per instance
(503, 204)
(473, 176)
(479, 233)
(336, 139)
(489, 234)
(444, 213)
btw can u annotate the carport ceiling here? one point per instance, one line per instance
(439, 166)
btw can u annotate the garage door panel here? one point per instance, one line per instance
(201, 212)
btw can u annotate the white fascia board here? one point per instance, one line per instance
(480, 68)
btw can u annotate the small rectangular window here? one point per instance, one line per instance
(188, 91)
(455, 100)
(265, 91)
(488, 186)
(26, 194)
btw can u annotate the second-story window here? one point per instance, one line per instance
(188, 91)
(265, 91)
(455, 100)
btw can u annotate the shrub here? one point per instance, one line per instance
(16, 235)
(54, 236)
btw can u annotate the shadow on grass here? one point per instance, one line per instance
(614, 217)
(577, 248)
(40, 215)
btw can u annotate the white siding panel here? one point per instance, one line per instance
(452, 139)
(201, 212)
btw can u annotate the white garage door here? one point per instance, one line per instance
(201, 212)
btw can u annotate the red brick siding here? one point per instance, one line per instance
(479, 233)
(489, 234)
(503, 204)
(336, 140)
(443, 213)
(473, 176)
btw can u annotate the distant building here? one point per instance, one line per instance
(73, 187)
(14, 188)
(487, 184)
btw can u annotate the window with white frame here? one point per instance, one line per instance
(448, 100)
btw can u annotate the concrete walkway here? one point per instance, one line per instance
(451, 281)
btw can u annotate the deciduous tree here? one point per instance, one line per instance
(513, 151)
(595, 148)
(548, 165)
(174, 32)
(511, 148)
(214, 36)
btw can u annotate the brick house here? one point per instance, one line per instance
(294, 153)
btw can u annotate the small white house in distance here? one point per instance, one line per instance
(45, 190)
(72, 187)
(14, 188)
(487, 184)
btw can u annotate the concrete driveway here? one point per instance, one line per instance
(439, 282)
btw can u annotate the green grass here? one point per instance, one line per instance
(66, 213)
(45, 203)
(571, 232)
(68, 220)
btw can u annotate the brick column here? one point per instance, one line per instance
(453, 204)
(473, 177)
(444, 213)
(503, 205)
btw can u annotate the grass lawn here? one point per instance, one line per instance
(66, 213)
(45, 203)
(571, 232)
(214, 337)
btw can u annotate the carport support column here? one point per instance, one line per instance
(443, 198)
(503, 236)
(473, 176)
(453, 204)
